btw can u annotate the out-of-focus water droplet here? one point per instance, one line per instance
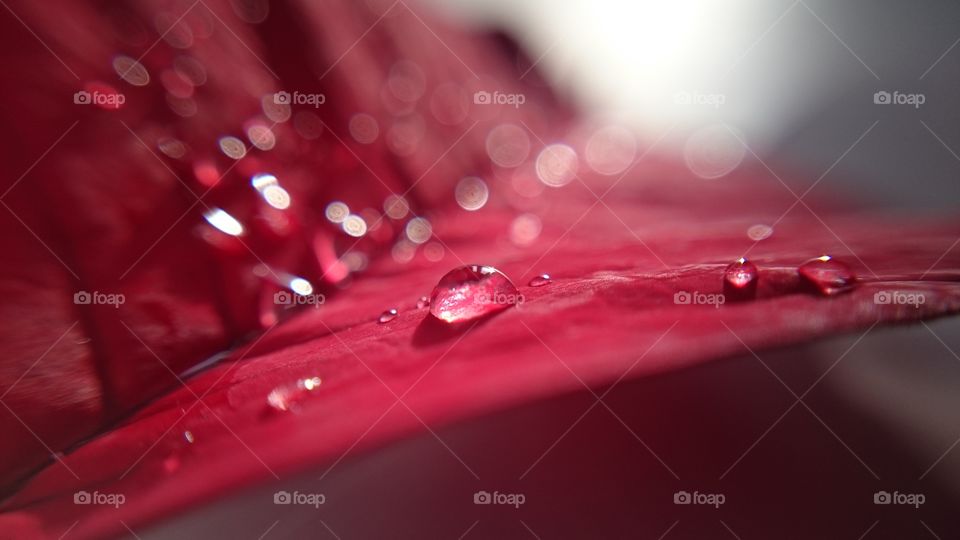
(470, 292)
(524, 229)
(354, 225)
(557, 165)
(131, 71)
(308, 125)
(223, 222)
(714, 151)
(364, 128)
(403, 251)
(191, 69)
(450, 104)
(434, 251)
(188, 436)
(261, 136)
(759, 232)
(287, 397)
(406, 81)
(827, 275)
(387, 316)
(275, 109)
(472, 193)
(610, 150)
(396, 206)
(418, 230)
(172, 147)
(540, 281)
(171, 463)
(508, 145)
(251, 11)
(740, 279)
(337, 212)
(423, 302)
(232, 147)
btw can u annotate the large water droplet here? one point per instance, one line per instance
(387, 316)
(740, 279)
(470, 292)
(828, 275)
(286, 397)
(540, 281)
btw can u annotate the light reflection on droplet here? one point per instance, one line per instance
(557, 165)
(131, 71)
(188, 435)
(713, 152)
(337, 212)
(232, 147)
(223, 221)
(261, 181)
(364, 128)
(301, 286)
(261, 136)
(524, 229)
(611, 150)
(423, 301)
(355, 226)
(287, 397)
(472, 193)
(508, 145)
(396, 206)
(387, 316)
(759, 232)
(418, 230)
(172, 147)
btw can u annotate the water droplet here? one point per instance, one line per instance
(470, 292)
(557, 165)
(714, 151)
(418, 230)
(540, 281)
(740, 279)
(337, 212)
(232, 147)
(423, 302)
(508, 145)
(223, 221)
(828, 275)
(524, 229)
(387, 316)
(759, 232)
(286, 397)
(472, 193)
(396, 206)
(611, 150)
(188, 435)
(364, 128)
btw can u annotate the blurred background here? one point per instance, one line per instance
(795, 80)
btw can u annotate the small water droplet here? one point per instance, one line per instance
(828, 275)
(470, 292)
(387, 316)
(188, 435)
(423, 302)
(540, 281)
(740, 279)
(287, 396)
